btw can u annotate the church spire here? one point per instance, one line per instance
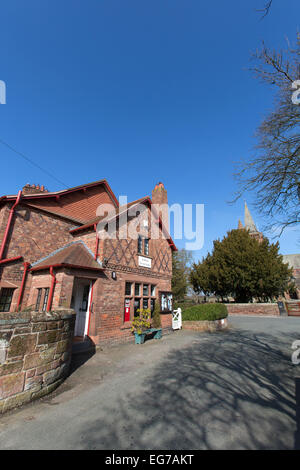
(249, 222)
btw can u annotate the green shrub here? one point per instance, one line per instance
(156, 320)
(142, 322)
(202, 312)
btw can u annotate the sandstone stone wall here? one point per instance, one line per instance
(293, 308)
(205, 325)
(35, 354)
(253, 309)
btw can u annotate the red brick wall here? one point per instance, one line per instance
(253, 309)
(33, 235)
(107, 321)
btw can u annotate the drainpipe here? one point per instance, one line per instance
(11, 213)
(26, 266)
(10, 259)
(90, 309)
(53, 282)
(97, 242)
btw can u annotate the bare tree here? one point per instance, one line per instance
(273, 173)
(266, 8)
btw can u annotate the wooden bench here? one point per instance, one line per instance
(140, 338)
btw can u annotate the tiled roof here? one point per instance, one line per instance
(114, 213)
(7, 284)
(79, 203)
(75, 254)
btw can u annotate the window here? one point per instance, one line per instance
(5, 299)
(145, 289)
(137, 303)
(46, 295)
(143, 241)
(142, 296)
(38, 300)
(166, 300)
(128, 288)
(137, 289)
(140, 244)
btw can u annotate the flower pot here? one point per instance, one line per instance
(139, 338)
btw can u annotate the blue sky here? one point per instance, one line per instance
(138, 92)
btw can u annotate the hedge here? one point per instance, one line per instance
(202, 312)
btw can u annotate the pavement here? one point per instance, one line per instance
(233, 389)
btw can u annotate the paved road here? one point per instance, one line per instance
(230, 390)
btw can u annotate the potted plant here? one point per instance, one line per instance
(156, 319)
(141, 324)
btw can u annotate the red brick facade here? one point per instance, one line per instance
(42, 225)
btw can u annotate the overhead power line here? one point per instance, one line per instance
(33, 163)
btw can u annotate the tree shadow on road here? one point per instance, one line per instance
(229, 390)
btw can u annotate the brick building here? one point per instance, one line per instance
(294, 263)
(53, 254)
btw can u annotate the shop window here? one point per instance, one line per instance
(152, 303)
(145, 289)
(152, 290)
(128, 288)
(166, 300)
(137, 289)
(5, 299)
(145, 303)
(137, 304)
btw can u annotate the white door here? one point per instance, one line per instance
(81, 307)
(177, 319)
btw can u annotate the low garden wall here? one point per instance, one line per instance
(293, 308)
(205, 317)
(35, 354)
(205, 325)
(263, 309)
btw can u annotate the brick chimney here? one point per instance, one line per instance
(160, 199)
(34, 189)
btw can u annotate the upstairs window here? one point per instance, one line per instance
(143, 246)
(140, 244)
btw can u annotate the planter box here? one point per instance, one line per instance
(140, 338)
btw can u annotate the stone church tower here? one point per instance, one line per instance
(250, 225)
